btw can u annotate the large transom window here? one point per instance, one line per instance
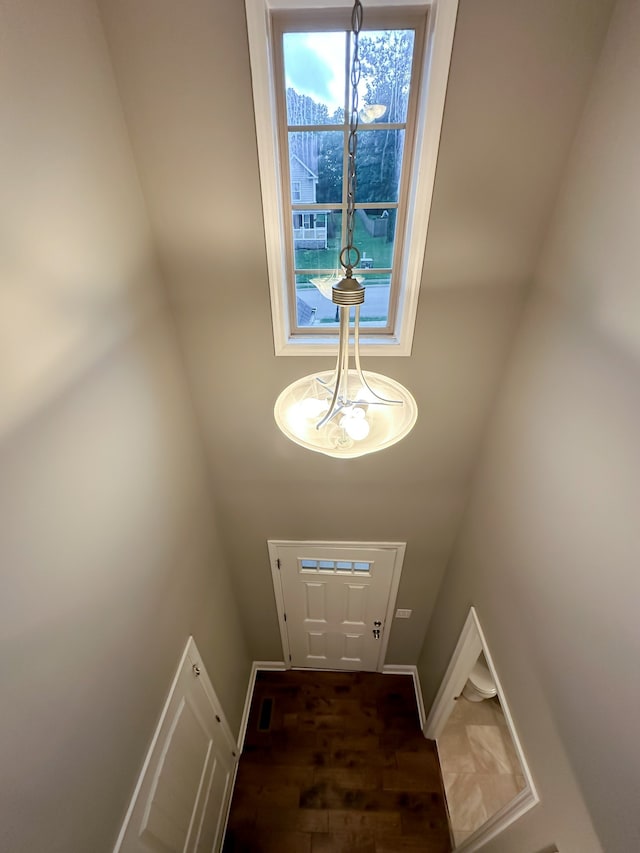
(302, 95)
(313, 97)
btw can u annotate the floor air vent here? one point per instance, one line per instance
(264, 718)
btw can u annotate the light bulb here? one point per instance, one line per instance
(356, 428)
(311, 407)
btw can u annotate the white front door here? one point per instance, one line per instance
(335, 602)
(183, 791)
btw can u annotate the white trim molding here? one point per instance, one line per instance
(434, 75)
(465, 655)
(255, 667)
(412, 670)
(471, 643)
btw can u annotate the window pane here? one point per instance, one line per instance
(308, 301)
(378, 165)
(327, 564)
(309, 564)
(361, 567)
(314, 69)
(344, 566)
(386, 58)
(314, 309)
(375, 311)
(374, 237)
(316, 239)
(315, 166)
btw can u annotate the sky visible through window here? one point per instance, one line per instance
(315, 65)
(316, 97)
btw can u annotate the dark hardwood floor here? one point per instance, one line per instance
(336, 763)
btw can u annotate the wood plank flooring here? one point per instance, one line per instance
(336, 763)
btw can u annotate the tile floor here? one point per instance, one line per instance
(480, 767)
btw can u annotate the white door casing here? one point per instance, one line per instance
(183, 791)
(471, 643)
(335, 601)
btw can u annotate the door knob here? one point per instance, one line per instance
(377, 623)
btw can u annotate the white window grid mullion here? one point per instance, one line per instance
(366, 273)
(338, 128)
(317, 205)
(336, 206)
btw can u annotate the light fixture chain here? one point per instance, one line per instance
(352, 146)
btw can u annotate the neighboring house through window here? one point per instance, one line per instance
(300, 58)
(309, 229)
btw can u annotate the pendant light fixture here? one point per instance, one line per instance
(348, 411)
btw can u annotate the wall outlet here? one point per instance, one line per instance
(403, 614)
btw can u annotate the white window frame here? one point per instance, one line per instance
(296, 190)
(433, 84)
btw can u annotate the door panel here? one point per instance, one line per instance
(335, 599)
(317, 646)
(355, 604)
(211, 827)
(316, 609)
(185, 786)
(170, 811)
(352, 648)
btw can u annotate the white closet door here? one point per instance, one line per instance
(183, 793)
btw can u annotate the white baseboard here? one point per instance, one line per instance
(255, 666)
(388, 669)
(412, 670)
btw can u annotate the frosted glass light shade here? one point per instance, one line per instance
(301, 405)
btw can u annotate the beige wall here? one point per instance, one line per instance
(108, 551)
(109, 556)
(549, 550)
(183, 71)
